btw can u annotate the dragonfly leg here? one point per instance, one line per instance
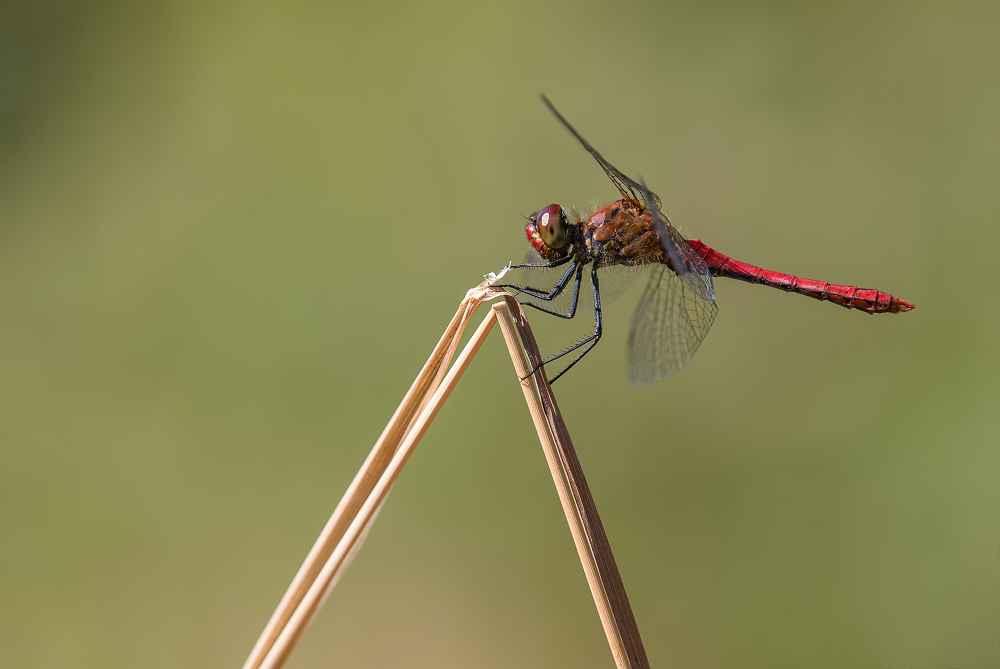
(555, 263)
(538, 293)
(591, 340)
(554, 293)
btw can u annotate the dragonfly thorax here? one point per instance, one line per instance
(621, 233)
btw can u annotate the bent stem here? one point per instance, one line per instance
(592, 543)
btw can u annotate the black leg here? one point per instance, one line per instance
(539, 294)
(592, 339)
(573, 302)
(554, 263)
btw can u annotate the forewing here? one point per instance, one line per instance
(668, 327)
(626, 186)
(688, 264)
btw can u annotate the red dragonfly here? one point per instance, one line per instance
(678, 306)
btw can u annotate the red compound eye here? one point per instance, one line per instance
(551, 223)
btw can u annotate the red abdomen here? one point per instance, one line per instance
(852, 297)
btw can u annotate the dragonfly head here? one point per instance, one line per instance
(549, 232)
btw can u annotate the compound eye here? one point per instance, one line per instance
(551, 223)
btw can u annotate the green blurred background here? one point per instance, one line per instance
(231, 234)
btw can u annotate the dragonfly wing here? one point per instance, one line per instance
(629, 189)
(668, 327)
(694, 271)
(683, 260)
(617, 279)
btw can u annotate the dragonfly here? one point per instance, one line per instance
(678, 305)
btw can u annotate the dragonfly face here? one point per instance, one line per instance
(549, 232)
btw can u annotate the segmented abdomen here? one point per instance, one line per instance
(852, 297)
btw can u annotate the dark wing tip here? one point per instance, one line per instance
(562, 119)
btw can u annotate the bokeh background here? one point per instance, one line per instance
(231, 234)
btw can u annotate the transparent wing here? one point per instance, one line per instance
(668, 327)
(626, 186)
(688, 264)
(617, 279)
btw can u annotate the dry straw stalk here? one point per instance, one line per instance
(344, 532)
(574, 494)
